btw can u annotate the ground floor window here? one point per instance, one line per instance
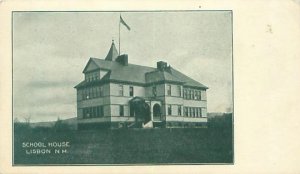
(121, 110)
(179, 110)
(169, 110)
(131, 110)
(185, 111)
(192, 111)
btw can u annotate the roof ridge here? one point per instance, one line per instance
(128, 63)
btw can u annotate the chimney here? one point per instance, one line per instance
(122, 59)
(161, 65)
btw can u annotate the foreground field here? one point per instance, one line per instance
(126, 146)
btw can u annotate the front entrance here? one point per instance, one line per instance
(140, 110)
(156, 112)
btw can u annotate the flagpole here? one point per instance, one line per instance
(119, 35)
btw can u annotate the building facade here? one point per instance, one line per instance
(116, 94)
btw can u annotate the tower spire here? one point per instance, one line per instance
(112, 53)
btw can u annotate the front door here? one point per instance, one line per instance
(156, 112)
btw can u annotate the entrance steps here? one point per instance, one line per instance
(148, 125)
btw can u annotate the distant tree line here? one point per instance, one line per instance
(222, 121)
(26, 126)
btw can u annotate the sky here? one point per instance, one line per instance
(51, 49)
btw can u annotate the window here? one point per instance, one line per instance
(199, 97)
(121, 90)
(94, 112)
(131, 91)
(88, 112)
(197, 112)
(93, 89)
(200, 112)
(121, 110)
(169, 90)
(84, 112)
(169, 110)
(179, 110)
(189, 112)
(98, 111)
(154, 92)
(185, 111)
(203, 95)
(192, 112)
(91, 112)
(87, 93)
(101, 111)
(189, 94)
(179, 90)
(184, 93)
(97, 91)
(101, 91)
(192, 94)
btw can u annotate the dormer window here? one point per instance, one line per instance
(92, 76)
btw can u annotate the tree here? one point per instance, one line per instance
(60, 126)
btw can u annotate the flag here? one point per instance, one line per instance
(123, 22)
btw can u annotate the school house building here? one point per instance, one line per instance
(117, 94)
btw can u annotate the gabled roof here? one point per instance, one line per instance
(119, 72)
(137, 74)
(112, 53)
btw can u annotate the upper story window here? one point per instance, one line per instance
(179, 90)
(196, 95)
(192, 94)
(154, 92)
(101, 91)
(91, 92)
(121, 90)
(169, 90)
(203, 95)
(131, 91)
(189, 94)
(185, 93)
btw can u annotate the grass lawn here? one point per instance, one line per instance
(129, 146)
